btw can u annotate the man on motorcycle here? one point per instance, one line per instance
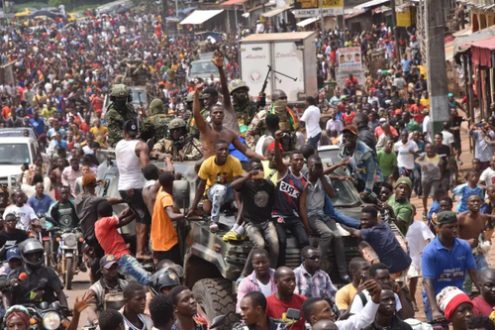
(63, 213)
(108, 289)
(42, 283)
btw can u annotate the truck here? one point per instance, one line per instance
(286, 61)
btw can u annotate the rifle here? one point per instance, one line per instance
(262, 95)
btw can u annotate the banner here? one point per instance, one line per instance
(312, 4)
(349, 61)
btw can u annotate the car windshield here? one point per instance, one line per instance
(346, 194)
(14, 154)
(203, 67)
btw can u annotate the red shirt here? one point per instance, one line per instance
(277, 308)
(348, 117)
(109, 238)
(481, 307)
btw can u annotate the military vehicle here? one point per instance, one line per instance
(212, 266)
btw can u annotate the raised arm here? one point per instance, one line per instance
(198, 118)
(279, 162)
(218, 61)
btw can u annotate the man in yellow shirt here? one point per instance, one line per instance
(215, 174)
(164, 239)
(358, 268)
(100, 133)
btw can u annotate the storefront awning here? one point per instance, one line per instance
(200, 16)
(233, 3)
(371, 3)
(275, 11)
(463, 42)
(481, 52)
(307, 21)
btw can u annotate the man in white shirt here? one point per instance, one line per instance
(487, 177)
(317, 309)
(311, 119)
(22, 210)
(447, 137)
(406, 150)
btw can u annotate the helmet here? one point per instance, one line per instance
(156, 107)
(237, 84)
(119, 90)
(176, 123)
(277, 94)
(29, 247)
(165, 277)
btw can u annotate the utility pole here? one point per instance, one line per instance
(435, 63)
(394, 27)
(322, 20)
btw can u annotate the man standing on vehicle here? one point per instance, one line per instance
(210, 133)
(311, 121)
(244, 108)
(290, 200)
(178, 143)
(119, 112)
(131, 155)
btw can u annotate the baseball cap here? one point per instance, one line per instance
(351, 128)
(130, 126)
(13, 253)
(446, 217)
(107, 261)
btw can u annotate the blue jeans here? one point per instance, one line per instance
(219, 194)
(339, 216)
(128, 265)
(313, 141)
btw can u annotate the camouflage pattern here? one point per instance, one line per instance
(185, 149)
(116, 120)
(119, 90)
(155, 125)
(236, 84)
(245, 112)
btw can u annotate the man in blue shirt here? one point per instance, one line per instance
(38, 124)
(40, 202)
(445, 261)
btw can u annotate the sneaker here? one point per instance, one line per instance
(213, 227)
(231, 235)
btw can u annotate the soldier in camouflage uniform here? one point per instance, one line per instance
(288, 121)
(178, 144)
(243, 106)
(119, 111)
(155, 125)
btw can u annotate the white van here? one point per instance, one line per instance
(16, 151)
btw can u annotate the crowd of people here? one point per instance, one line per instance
(257, 163)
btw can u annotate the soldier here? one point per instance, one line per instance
(244, 108)
(179, 144)
(155, 125)
(119, 111)
(288, 121)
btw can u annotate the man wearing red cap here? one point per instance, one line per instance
(456, 306)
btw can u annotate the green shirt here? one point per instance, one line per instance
(403, 213)
(387, 162)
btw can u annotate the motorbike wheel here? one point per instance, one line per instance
(69, 272)
(48, 253)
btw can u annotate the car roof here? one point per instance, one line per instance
(16, 139)
(17, 132)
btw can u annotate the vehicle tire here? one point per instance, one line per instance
(47, 254)
(216, 298)
(69, 272)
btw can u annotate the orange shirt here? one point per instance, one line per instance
(163, 234)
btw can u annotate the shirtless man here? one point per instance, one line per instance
(210, 133)
(472, 224)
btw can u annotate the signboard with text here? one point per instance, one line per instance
(311, 8)
(349, 61)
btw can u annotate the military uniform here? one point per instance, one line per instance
(116, 118)
(245, 112)
(189, 149)
(155, 125)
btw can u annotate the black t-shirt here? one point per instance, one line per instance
(34, 281)
(13, 238)
(258, 197)
(443, 150)
(86, 206)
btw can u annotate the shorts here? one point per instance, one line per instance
(173, 254)
(430, 187)
(134, 197)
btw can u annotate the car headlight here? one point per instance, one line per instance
(51, 321)
(70, 240)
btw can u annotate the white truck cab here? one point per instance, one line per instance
(16, 151)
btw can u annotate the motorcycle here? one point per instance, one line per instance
(68, 255)
(45, 316)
